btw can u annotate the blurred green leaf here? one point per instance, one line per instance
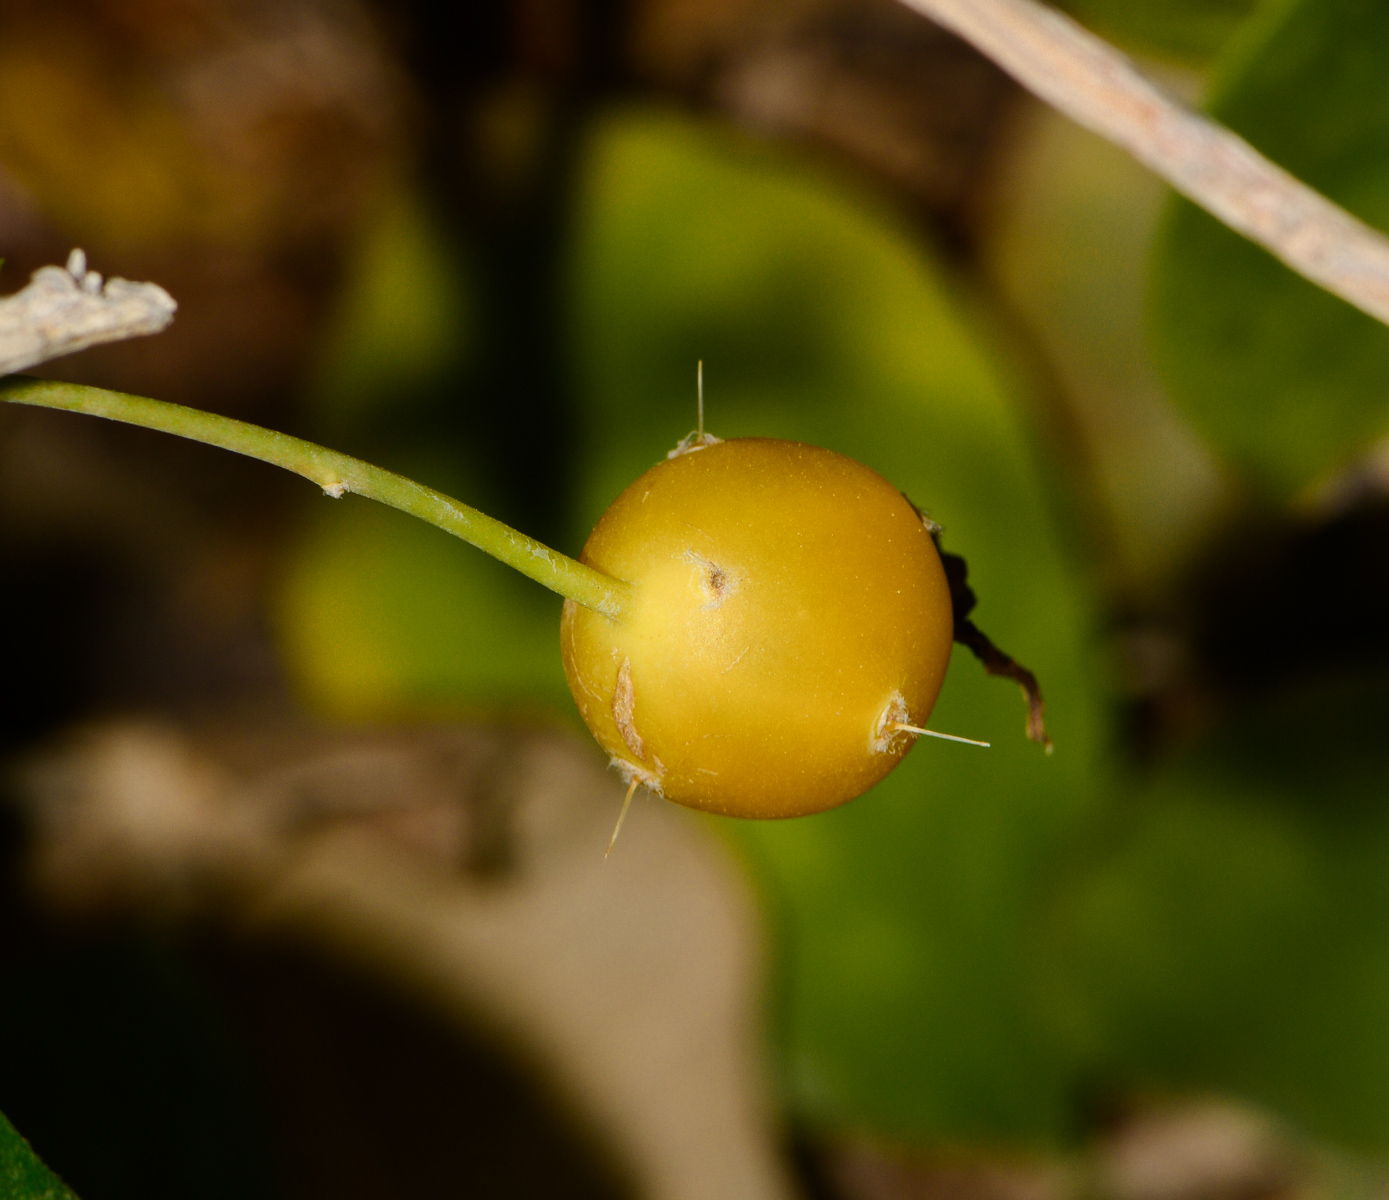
(403, 317)
(22, 1175)
(1286, 379)
(1190, 31)
(381, 616)
(905, 1005)
(1230, 932)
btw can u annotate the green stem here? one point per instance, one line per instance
(338, 473)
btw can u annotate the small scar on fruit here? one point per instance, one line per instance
(624, 710)
(635, 773)
(692, 441)
(716, 582)
(888, 727)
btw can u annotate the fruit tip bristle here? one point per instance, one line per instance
(948, 737)
(622, 816)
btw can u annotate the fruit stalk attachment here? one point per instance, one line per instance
(337, 474)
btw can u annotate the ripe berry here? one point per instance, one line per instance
(790, 617)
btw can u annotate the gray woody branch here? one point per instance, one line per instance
(64, 310)
(1099, 88)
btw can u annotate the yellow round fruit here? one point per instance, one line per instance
(790, 614)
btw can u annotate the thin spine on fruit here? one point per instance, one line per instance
(696, 439)
(948, 737)
(338, 474)
(622, 816)
(894, 719)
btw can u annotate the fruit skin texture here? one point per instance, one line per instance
(789, 606)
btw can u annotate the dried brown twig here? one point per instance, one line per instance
(995, 662)
(1099, 88)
